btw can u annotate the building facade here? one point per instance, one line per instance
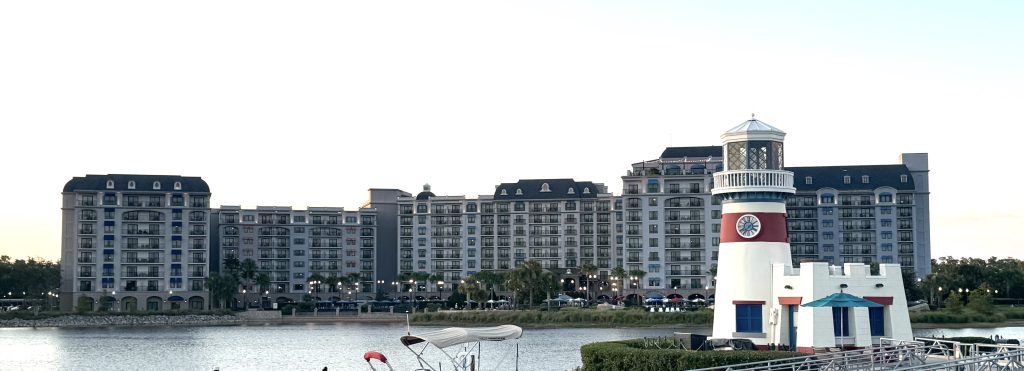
(866, 213)
(293, 245)
(561, 223)
(135, 242)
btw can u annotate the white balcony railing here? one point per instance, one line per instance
(753, 181)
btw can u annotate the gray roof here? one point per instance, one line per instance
(559, 189)
(143, 183)
(832, 176)
(425, 195)
(692, 152)
(754, 125)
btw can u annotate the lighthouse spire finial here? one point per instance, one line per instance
(751, 116)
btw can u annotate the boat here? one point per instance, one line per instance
(446, 341)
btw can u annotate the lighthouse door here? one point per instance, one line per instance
(792, 328)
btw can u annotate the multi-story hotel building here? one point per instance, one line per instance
(561, 223)
(292, 245)
(867, 213)
(135, 242)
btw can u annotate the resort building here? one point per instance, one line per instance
(561, 223)
(840, 214)
(292, 245)
(135, 242)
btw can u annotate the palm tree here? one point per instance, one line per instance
(639, 274)
(588, 270)
(435, 278)
(420, 277)
(247, 273)
(620, 275)
(473, 289)
(222, 287)
(528, 278)
(263, 280)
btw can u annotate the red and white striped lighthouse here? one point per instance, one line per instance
(752, 189)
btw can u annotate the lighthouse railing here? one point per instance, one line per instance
(753, 180)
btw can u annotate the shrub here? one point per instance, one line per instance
(964, 316)
(630, 355)
(972, 340)
(563, 317)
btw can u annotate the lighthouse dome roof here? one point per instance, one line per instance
(754, 125)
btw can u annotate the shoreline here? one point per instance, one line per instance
(274, 318)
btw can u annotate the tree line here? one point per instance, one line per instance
(28, 278)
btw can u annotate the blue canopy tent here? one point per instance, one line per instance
(842, 300)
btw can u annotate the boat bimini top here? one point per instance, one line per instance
(453, 336)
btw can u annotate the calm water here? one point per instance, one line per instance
(297, 347)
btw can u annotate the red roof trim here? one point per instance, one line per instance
(884, 300)
(790, 300)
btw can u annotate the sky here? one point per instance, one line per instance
(312, 103)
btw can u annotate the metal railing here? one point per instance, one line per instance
(892, 354)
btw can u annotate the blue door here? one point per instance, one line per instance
(792, 329)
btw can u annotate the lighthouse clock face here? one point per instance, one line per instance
(748, 226)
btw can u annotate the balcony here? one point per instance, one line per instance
(142, 260)
(88, 259)
(141, 274)
(780, 181)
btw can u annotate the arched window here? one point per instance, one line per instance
(572, 191)
(110, 184)
(177, 186)
(156, 185)
(131, 184)
(586, 190)
(545, 188)
(504, 192)
(519, 192)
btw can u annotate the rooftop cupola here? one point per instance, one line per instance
(754, 160)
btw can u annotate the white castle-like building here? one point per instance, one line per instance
(760, 292)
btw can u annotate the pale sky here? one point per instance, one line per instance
(311, 103)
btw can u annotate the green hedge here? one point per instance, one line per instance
(972, 340)
(629, 355)
(28, 314)
(570, 317)
(965, 316)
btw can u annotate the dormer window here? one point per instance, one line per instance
(156, 185)
(864, 179)
(572, 191)
(177, 186)
(903, 178)
(545, 188)
(131, 184)
(110, 184)
(808, 180)
(586, 190)
(519, 191)
(504, 192)
(846, 179)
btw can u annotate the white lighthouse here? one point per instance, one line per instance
(752, 189)
(760, 295)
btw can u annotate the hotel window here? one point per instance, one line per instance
(846, 179)
(827, 211)
(156, 185)
(653, 201)
(828, 198)
(652, 215)
(885, 197)
(653, 242)
(808, 180)
(131, 184)
(177, 186)
(653, 228)
(748, 318)
(864, 179)
(903, 178)
(110, 184)
(828, 247)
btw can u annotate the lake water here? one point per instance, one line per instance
(299, 347)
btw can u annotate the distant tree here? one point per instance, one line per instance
(222, 288)
(980, 299)
(954, 302)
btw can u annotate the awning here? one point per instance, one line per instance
(460, 335)
(175, 298)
